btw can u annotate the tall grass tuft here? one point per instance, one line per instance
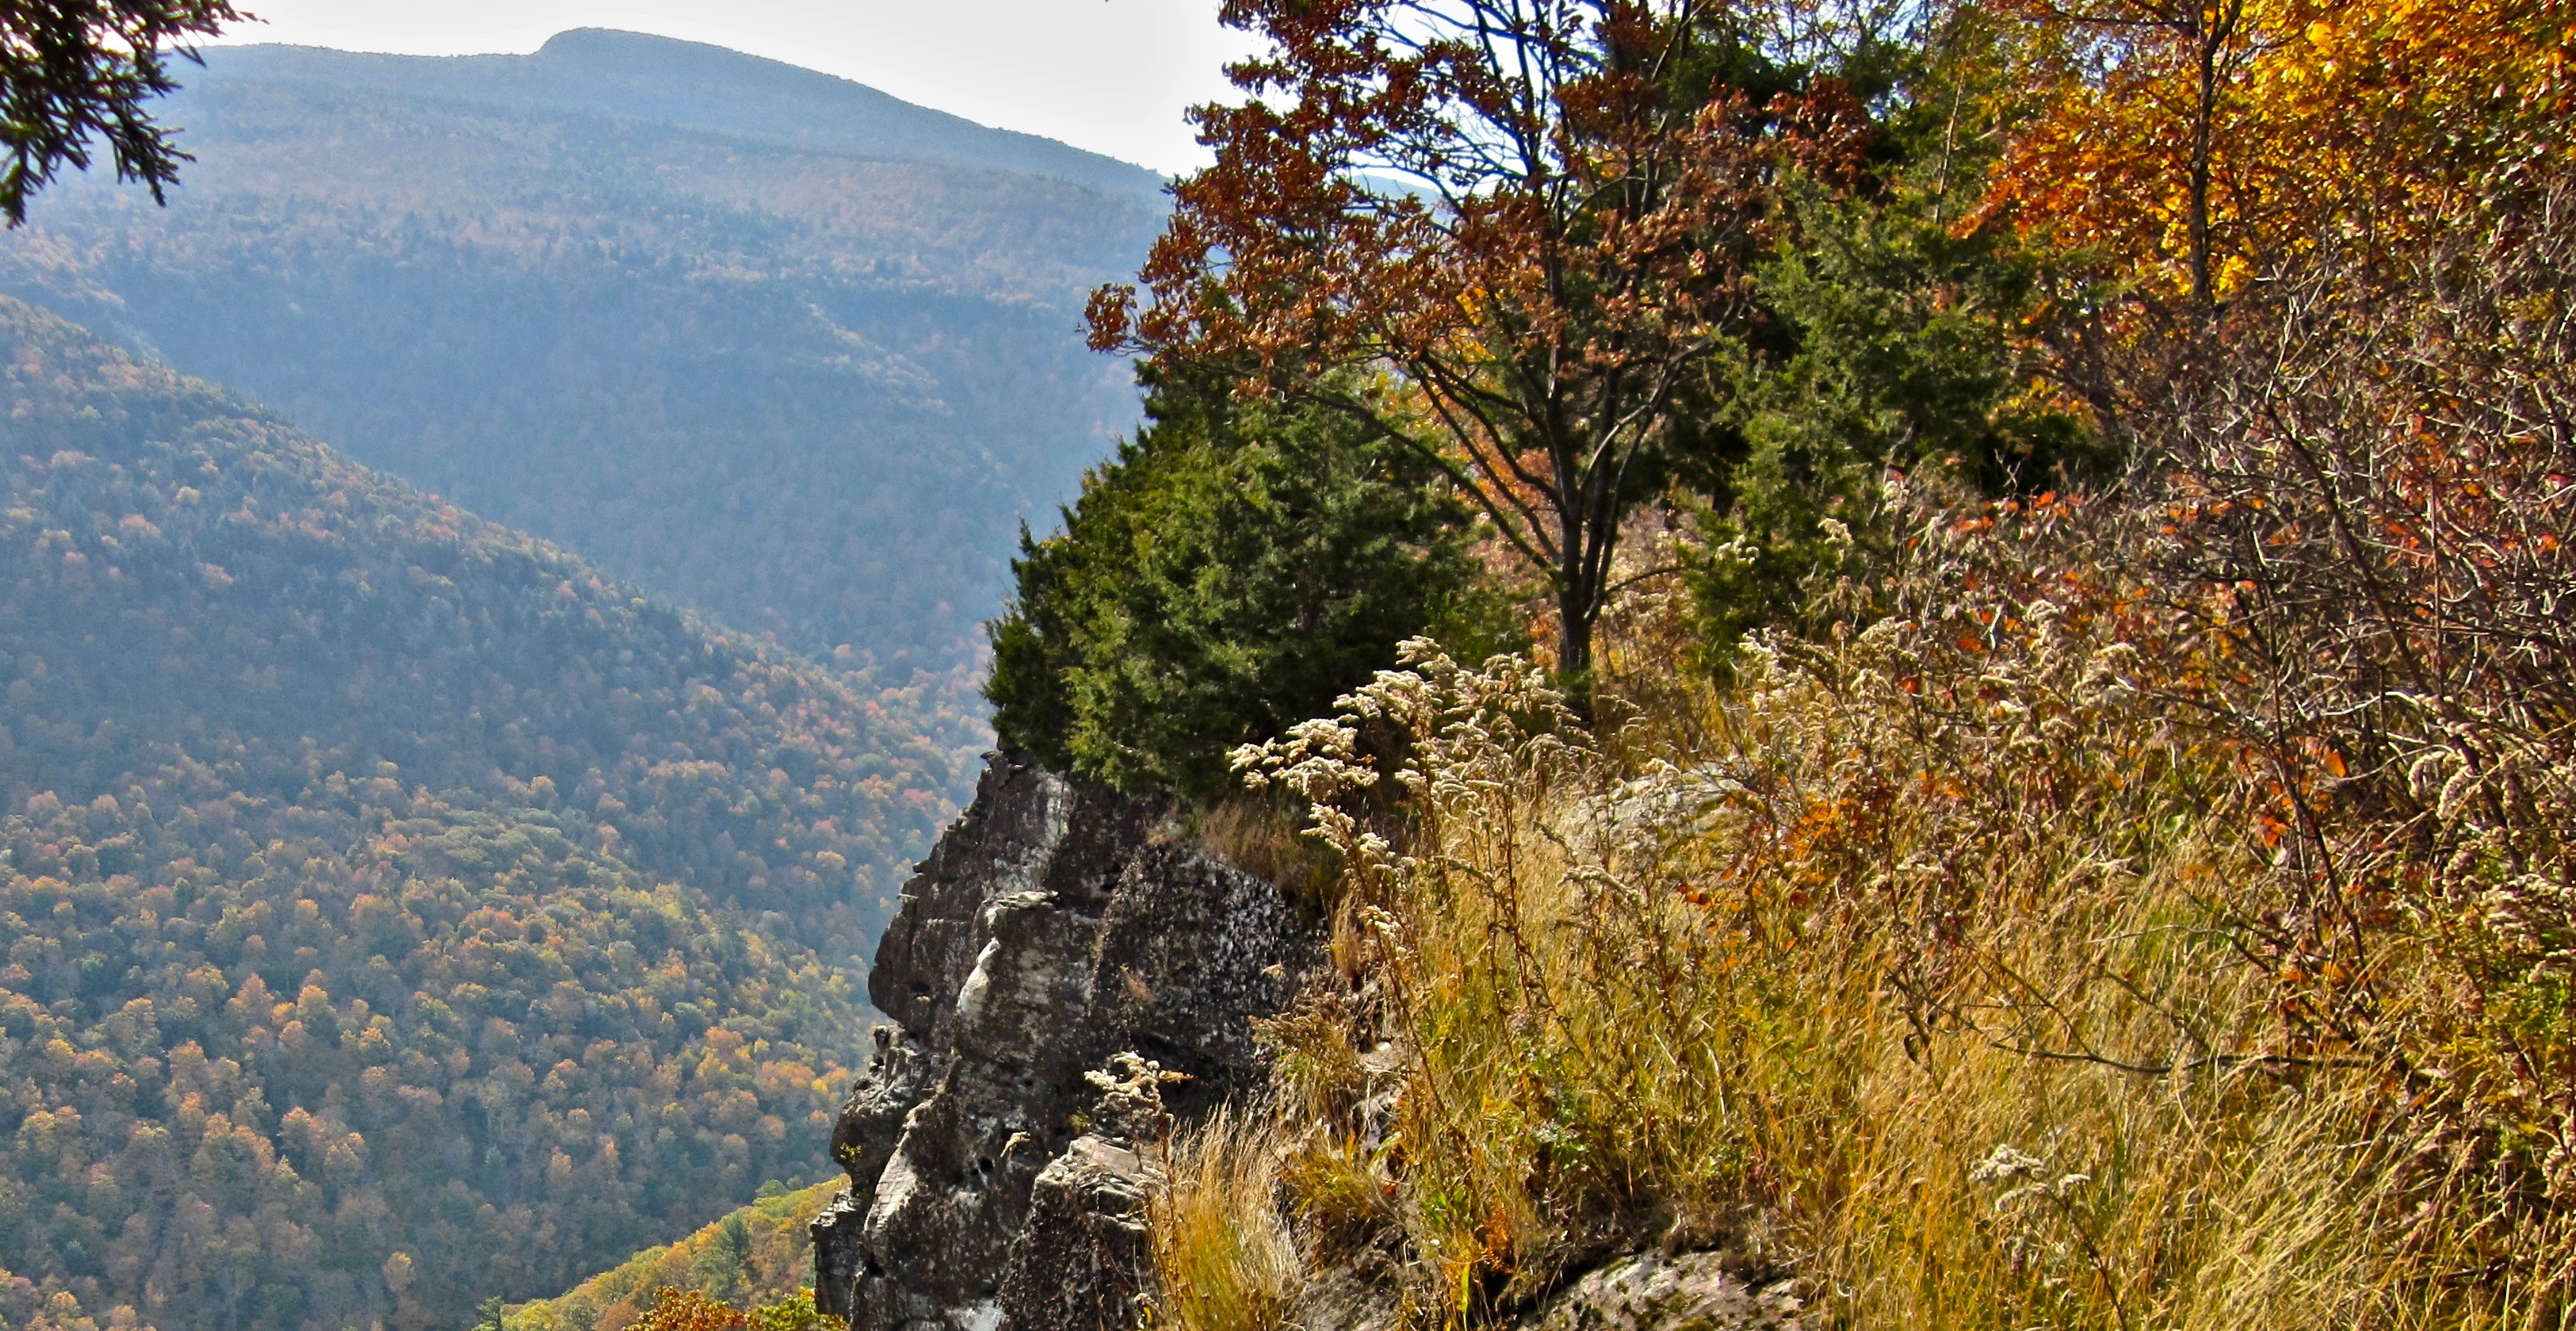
(1223, 1259)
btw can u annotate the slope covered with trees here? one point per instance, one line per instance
(398, 912)
(764, 341)
(757, 1255)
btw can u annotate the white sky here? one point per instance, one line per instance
(1112, 76)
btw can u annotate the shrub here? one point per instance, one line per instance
(687, 1310)
(796, 1312)
(2364, 508)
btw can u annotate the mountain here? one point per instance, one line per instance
(397, 911)
(769, 342)
(632, 76)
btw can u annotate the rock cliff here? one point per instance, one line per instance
(1057, 954)
(1052, 928)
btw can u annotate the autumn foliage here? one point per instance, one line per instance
(687, 1310)
(2198, 147)
(392, 913)
(1528, 223)
(759, 1257)
(2144, 900)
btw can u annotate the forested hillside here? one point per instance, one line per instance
(764, 341)
(758, 1255)
(398, 912)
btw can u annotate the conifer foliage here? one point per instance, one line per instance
(74, 70)
(1237, 565)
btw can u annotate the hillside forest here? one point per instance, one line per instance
(398, 912)
(775, 345)
(2031, 774)
(756, 1258)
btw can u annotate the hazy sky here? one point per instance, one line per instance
(1112, 76)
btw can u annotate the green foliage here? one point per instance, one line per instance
(71, 71)
(795, 1312)
(725, 1266)
(396, 912)
(1235, 567)
(774, 1257)
(714, 341)
(1890, 338)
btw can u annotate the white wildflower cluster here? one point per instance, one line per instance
(1131, 1097)
(2045, 1229)
(1467, 734)
(2027, 1173)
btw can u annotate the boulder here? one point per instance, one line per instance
(1079, 1261)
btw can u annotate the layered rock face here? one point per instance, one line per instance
(1051, 928)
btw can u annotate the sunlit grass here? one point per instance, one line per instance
(1223, 1259)
(1916, 975)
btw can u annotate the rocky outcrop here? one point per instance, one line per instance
(1696, 1291)
(1649, 1291)
(1052, 927)
(1081, 1255)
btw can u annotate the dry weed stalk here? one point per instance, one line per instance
(2158, 917)
(1935, 975)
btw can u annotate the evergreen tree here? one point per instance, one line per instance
(728, 1260)
(1232, 570)
(1894, 334)
(74, 70)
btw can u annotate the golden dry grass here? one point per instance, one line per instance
(1223, 1259)
(1915, 965)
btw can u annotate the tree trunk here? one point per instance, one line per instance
(2202, 131)
(2210, 29)
(1576, 610)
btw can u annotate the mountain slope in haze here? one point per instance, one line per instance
(598, 71)
(765, 341)
(395, 912)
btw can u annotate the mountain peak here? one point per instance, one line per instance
(689, 85)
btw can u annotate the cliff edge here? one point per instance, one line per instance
(1052, 928)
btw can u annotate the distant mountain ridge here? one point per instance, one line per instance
(768, 342)
(689, 85)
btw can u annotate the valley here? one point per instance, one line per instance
(397, 910)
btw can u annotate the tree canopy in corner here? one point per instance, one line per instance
(72, 71)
